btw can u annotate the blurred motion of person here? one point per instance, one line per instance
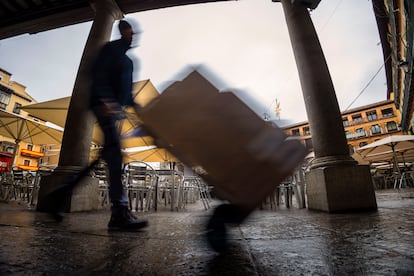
(111, 91)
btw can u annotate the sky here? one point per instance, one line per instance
(244, 44)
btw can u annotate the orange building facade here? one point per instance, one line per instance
(362, 125)
(13, 95)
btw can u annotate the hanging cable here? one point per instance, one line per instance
(291, 74)
(368, 84)
(332, 14)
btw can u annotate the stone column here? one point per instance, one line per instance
(335, 181)
(76, 142)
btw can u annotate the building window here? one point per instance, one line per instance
(388, 112)
(357, 118)
(9, 149)
(306, 131)
(345, 122)
(348, 134)
(363, 144)
(295, 132)
(26, 162)
(360, 132)
(376, 129)
(16, 108)
(29, 146)
(4, 100)
(372, 115)
(392, 126)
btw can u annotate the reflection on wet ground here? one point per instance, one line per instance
(282, 242)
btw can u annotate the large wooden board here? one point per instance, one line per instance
(220, 134)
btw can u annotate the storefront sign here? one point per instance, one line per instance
(5, 163)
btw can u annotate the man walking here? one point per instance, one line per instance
(111, 91)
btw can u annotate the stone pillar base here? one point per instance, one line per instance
(85, 196)
(340, 189)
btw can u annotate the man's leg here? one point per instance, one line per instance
(121, 218)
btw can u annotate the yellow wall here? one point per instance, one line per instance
(20, 96)
(381, 121)
(23, 160)
(355, 140)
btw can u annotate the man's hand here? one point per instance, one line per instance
(109, 107)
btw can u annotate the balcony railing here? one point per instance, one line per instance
(364, 121)
(356, 135)
(31, 153)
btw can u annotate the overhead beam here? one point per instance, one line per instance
(48, 15)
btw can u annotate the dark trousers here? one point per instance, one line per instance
(112, 155)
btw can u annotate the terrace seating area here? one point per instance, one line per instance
(20, 185)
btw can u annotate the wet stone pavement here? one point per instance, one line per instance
(283, 242)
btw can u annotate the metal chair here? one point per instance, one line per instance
(36, 185)
(100, 172)
(6, 184)
(293, 187)
(193, 189)
(141, 183)
(21, 185)
(170, 188)
(407, 179)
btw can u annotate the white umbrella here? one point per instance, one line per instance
(55, 111)
(401, 156)
(388, 148)
(150, 155)
(28, 130)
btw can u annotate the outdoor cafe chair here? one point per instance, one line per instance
(35, 182)
(100, 172)
(392, 179)
(406, 179)
(6, 187)
(141, 183)
(22, 185)
(293, 187)
(170, 188)
(193, 189)
(285, 193)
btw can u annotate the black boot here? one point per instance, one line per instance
(122, 219)
(216, 227)
(57, 202)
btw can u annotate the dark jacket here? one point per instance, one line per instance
(111, 75)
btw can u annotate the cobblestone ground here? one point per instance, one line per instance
(282, 242)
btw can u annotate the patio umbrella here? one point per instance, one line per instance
(55, 111)
(359, 159)
(28, 130)
(150, 155)
(402, 156)
(388, 148)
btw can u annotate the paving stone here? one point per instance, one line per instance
(282, 242)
